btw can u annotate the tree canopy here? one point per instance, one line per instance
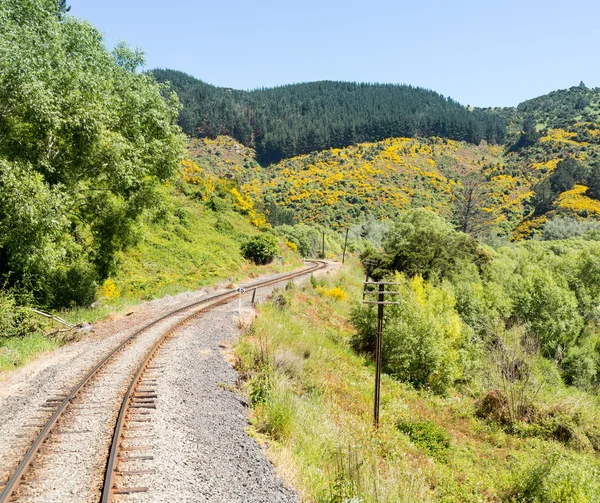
(84, 141)
(285, 121)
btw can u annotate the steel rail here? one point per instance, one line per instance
(15, 479)
(108, 489)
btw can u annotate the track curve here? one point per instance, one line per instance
(207, 304)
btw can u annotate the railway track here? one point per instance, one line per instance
(138, 399)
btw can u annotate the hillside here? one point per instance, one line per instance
(300, 118)
(563, 107)
(513, 192)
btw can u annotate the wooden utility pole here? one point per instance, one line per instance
(345, 243)
(323, 252)
(381, 302)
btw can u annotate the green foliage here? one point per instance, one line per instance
(563, 107)
(15, 320)
(306, 238)
(580, 367)
(556, 480)
(426, 435)
(420, 242)
(85, 142)
(260, 249)
(549, 310)
(567, 174)
(422, 335)
(260, 387)
(567, 227)
(297, 119)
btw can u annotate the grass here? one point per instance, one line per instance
(193, 247)
(16, 351)
(189, 248)
(311, 401)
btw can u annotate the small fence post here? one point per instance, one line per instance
(240, 290)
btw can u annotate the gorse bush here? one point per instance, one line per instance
(260, 249)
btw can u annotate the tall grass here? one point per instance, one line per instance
(316, 417)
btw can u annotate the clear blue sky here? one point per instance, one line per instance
(479, 52)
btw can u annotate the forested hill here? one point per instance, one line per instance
(564, 107)
(285, 121)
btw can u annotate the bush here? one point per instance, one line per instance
(565, 228)
(260, 249)
(15, 321)
(421, 242)
(422, 335)
(579, 367)
(549, 309)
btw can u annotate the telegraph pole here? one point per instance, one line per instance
(380, 302)
(345, 243)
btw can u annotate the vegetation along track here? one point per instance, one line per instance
(135, 397)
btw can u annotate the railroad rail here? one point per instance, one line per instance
(131, 397)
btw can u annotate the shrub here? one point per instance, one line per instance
(224, 226)
(260, 249)
(549, 310)
(421, 242)
(421, 337)
(73, 287)
(15, 321)
(217, 204)
(426, 435)
(565, 228)
(579, 367)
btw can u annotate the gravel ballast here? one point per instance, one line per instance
(201, 450)
(196, 435)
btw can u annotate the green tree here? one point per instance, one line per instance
(421, 242)
(422, 334)
(63, 8)
(85, 135)
(548, 308)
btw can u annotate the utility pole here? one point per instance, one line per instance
(380, 302)
(323, 252)
(345, 243)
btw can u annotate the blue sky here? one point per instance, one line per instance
(482, 53)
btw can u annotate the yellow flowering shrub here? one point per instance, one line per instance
(109, 290)
(335, 293)
(577, 202)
